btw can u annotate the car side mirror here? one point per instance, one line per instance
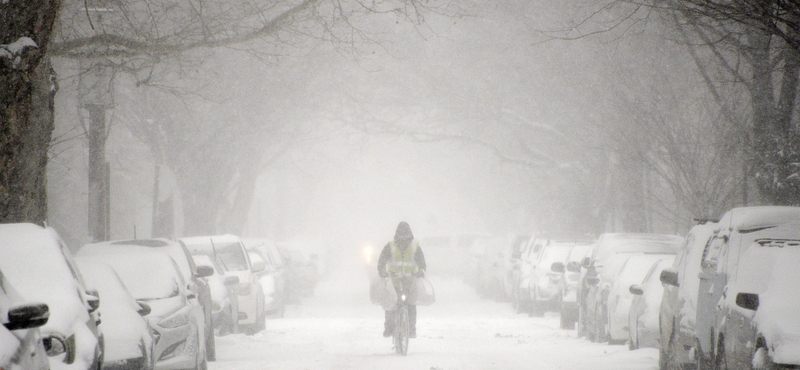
(748, 301)
(231, 280)
(27, 316)
(573, 266)
(557, 267)
(669, 277)
(636, 289)
(144, 309)
(93, 299)
(204, 271)
(593, 280)
(586, 262)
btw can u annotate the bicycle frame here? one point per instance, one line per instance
(401, 322)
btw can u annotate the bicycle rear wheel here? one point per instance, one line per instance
(401, 331)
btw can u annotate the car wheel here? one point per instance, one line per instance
(720, 362)
(600, 334)
(566, 321)
(633, 343)
(536, 309)
(702, 362)
(211, 352)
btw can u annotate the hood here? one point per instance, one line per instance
(403, 235)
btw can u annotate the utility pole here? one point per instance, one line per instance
(99, 175)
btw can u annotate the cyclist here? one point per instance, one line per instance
(402, 259)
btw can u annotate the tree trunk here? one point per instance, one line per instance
(27, 90)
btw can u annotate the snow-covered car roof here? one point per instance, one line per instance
(171, 248)
(753, 218)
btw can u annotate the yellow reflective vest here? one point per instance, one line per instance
(402, 262)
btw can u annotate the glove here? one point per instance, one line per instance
(420, 273)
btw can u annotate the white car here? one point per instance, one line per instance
(175, 316)
(128, 340)
(37, 262)
(224, 303)
(21, 346)
(230, 253)
(620, 297)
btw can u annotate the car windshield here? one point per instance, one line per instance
(556, 252)
(231, 256)
(148, 276)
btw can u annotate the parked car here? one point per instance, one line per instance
(511, 263)
(599, 276)
(128, 340)
(546, 290)
(194, 277)
(739, 228)
(758, 322)
(678, 309)
(176, 317)
(224, 302)
(521, 299)
(37, 262)
(643, 325)
(21, 345)
(489, 265)
(272, 278)
(571, 272)
(597, 297)
(230, 253)
(620, 297)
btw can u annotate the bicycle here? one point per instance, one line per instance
(401, 321)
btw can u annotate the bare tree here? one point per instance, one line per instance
(26, 107)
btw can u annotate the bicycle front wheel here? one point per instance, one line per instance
(401, 331)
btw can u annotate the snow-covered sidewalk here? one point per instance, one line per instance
(339, 329)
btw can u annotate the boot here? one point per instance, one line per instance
(388, 324)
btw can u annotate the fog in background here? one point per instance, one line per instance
(474, 124)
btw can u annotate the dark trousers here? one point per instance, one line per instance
(388, 324)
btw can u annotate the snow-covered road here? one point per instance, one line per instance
(339, 329)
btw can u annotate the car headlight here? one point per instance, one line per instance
(57, 345)
(176, 320)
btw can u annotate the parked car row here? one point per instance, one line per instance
(724, 296)
(127, 304)
(730, 299)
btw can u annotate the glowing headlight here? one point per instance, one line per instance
(367, 252)
(174, 321)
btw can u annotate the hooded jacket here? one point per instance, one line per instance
(402, 239)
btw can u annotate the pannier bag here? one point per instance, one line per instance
(422, 292)
(381, 292)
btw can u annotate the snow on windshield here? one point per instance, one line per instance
(147, 275)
